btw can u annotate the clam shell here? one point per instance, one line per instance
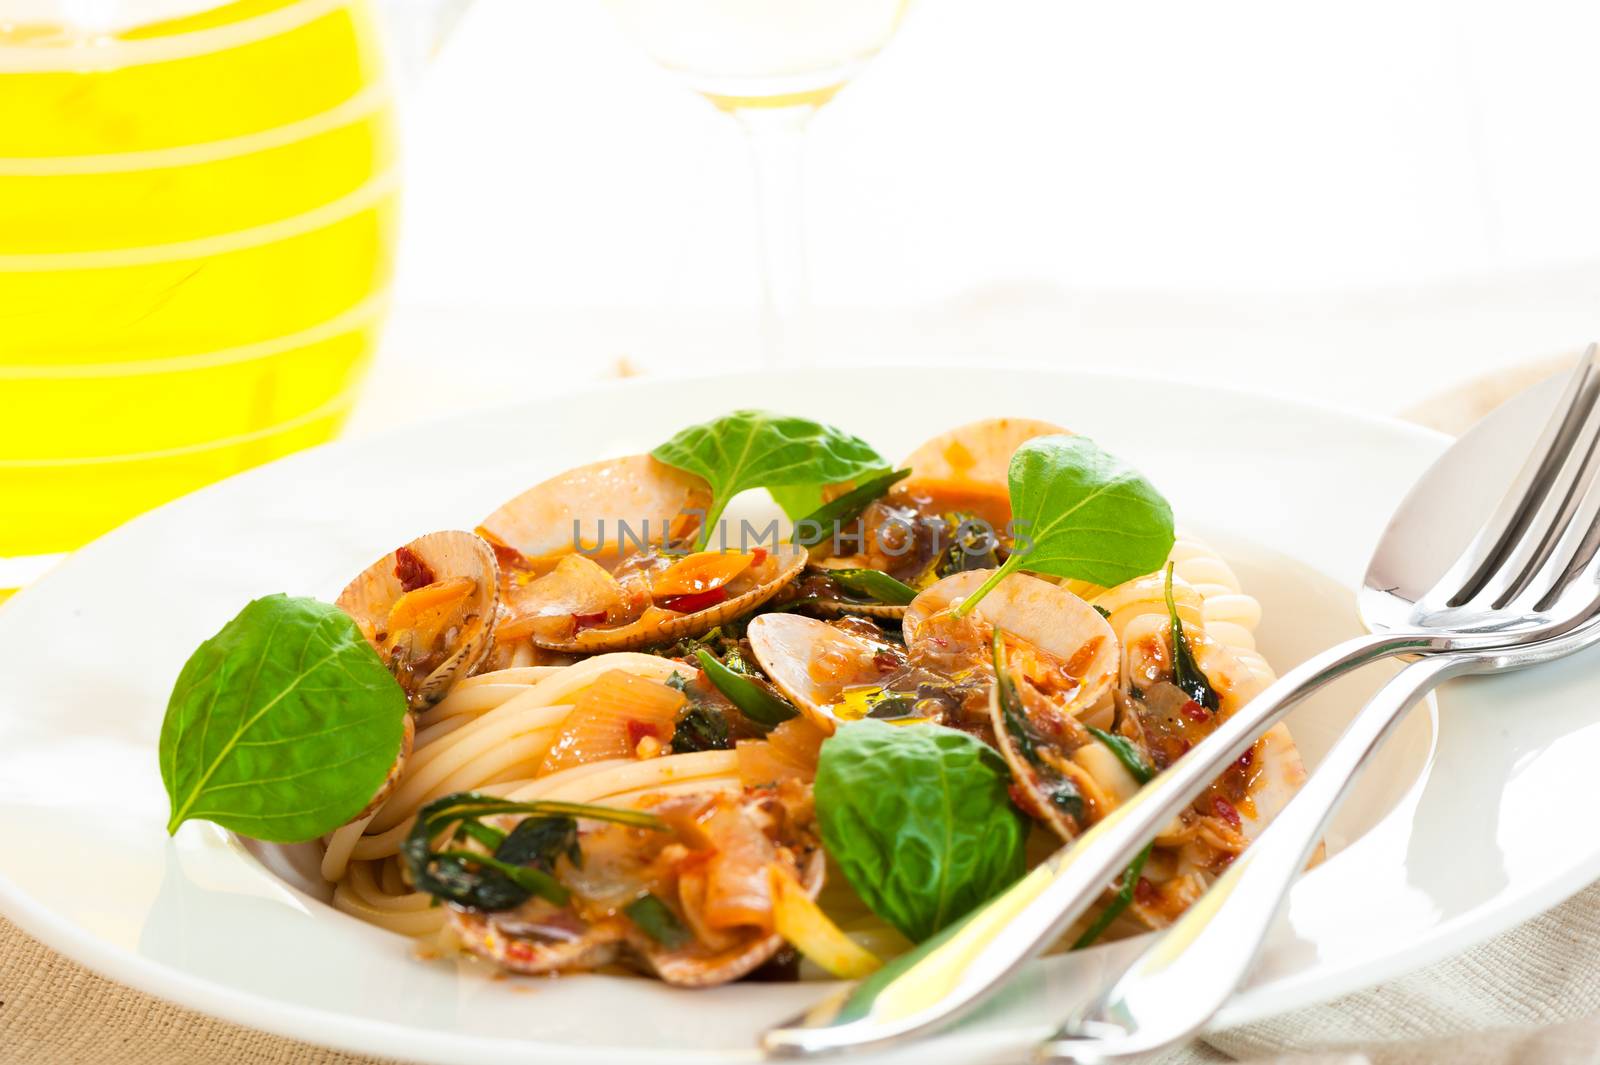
(786, 646)
(370, 597)
(651, 630)
(489, 936)
(548, 518)
(889, 611)
(973, 461)
(1044, 614)
(682, 969)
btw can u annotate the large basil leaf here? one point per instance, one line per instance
(919, 820)
(1080, 512)
(759, 449)
(282, 726)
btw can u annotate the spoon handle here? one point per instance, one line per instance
(967, 961)
(1185, 977)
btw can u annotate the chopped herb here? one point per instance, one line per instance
(749, 695)
(1126, 753)
(1122, 900)
(519, 867)
(1102, 611)
(700, 728)
(656, 920)
(1186, 672)
(972, 545)
(720, 641)
(887, 706)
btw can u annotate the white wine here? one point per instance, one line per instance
(761, 53)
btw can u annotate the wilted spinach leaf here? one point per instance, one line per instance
(513, 867)
(700, 728)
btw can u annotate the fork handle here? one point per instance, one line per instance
(950, 973)
(1180, 982)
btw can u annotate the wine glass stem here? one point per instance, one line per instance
(776, 136)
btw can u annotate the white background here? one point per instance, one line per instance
(1364, 201)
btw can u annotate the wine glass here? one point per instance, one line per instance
(770, 64)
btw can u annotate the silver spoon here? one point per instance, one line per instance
(1178, 984)
(1520, 577)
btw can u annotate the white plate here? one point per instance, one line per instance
(1466, 827)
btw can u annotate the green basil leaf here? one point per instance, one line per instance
(1082, 513)
(1120, 902)
(1126, 753)
(1186, 672)
(821, 523)
(759, 449)
(875, 584)
(282, 726)
(656, 920)
(919, 819)
(753, 701)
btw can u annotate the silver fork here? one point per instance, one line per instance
(1528, 576)
(1180, 982)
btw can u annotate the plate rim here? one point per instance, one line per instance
(362, 1035)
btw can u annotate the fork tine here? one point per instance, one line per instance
(1574, 558)
(1509, 524)
(1566, 507)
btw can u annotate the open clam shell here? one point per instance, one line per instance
(372, 597)
(811, 662)
(1043, 614)
(659, 626)
(589, 507)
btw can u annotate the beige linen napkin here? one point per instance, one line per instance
(1530, 996)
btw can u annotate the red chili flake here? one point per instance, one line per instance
(638, 730)
(412, 572)
(688, 604)
(1225, 810)
(1194, 711)
(1144, 892)
(758, 556)
(587, 621)
(1247, 759)
(885, 661)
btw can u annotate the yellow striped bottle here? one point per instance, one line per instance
(196, 228)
